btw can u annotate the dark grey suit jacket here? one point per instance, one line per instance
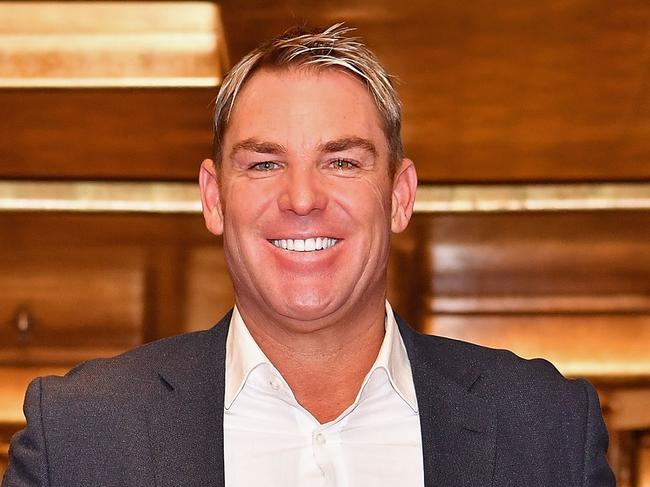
(154, 417)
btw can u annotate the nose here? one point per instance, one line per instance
(303, 192)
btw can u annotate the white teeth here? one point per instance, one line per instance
(306, 245)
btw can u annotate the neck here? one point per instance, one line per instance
(326, 365)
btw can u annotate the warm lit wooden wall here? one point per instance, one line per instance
(505, 91)
(508, 92)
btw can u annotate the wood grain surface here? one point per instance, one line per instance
(507, 91)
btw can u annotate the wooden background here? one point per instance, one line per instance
(493, 92)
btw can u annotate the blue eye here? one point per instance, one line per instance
(265, 166)
(342, 164)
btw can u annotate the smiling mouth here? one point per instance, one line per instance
(306, 245)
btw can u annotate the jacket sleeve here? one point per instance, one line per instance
(28, 466)
(597, 472)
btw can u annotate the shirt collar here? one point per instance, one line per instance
(392, 357)
(243, 355)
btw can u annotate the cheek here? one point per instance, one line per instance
(247, 204)
(367, 201)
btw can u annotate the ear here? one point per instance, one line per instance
(405, 185)
(211, 197)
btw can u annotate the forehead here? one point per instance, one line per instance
(302, 106)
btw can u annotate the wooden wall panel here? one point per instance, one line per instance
(534, 254)
(627, 409)
(82, 44)
(161, 134)
(70, 305)
(6, 432)
(643, 470)
(505, 91)
(570, 287)
(603, 347)
(551, 91)
(156, 247)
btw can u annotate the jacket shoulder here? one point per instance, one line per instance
(496, 372)
(549, 428)
(135, 369)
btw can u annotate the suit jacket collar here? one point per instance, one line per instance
(458, 426)
(186, 421)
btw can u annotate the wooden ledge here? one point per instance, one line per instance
(110, 44)
(170, 197)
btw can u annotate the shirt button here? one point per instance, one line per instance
(275, 384)
(320, 439)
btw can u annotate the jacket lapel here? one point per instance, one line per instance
(186, 422)
(458, 426)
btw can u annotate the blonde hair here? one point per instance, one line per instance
(325, 49)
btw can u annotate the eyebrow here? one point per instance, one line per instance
(347, 143)
(337, 145)
(256, 145)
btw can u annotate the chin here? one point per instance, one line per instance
(308, 307)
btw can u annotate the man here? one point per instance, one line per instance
(312, 379)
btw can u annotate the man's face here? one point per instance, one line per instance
(305, 200)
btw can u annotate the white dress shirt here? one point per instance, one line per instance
(271, 440)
